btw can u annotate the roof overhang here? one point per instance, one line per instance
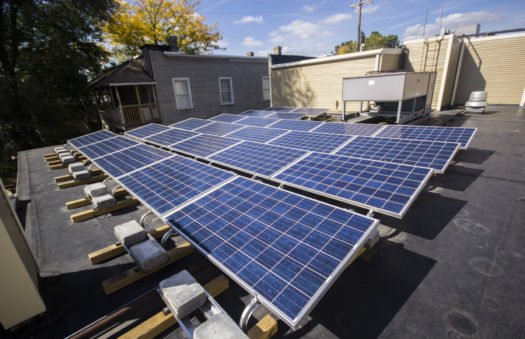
(214, 56)
(132, 83)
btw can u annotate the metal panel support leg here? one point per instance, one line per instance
(247, 314)
(399, 106)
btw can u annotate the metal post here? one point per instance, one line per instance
(360, 4)
(399, 105)
(343, 114)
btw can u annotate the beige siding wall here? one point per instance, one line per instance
(390, 62)
(318, 85)
(428, 56)
(495, 65)
(451, 73)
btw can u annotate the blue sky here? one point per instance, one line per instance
(314, 27)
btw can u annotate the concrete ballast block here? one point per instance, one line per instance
(60, 148)
(219, 326)
(182, 293)
(103, 201)
(68, 159)
(81, 175)
(130, 233)
(95, 190)
(148, 255)
(75, 167)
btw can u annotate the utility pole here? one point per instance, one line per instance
(360, 4)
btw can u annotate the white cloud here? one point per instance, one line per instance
(223, 43)
(450, 21)
(301, 37)
(336, 18)
(249, 41)
(370, 9)
(308, 8)
(248, 19)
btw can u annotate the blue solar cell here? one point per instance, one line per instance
(310, 111)
(386, 187)
(349, 129)
(258, 134)
(317, 142)
(431, 133)
(286, 116)
(280, 109)
(227, 117)
(171, 136)
(295, 125)
(171, 182)
(255, 113)
(432, 154)
(257, 158)
(191, 124)
(219, 128)
(286, 248)
(146, 131)
(256, 121)
(130, 159)
(203, 145)
(91, 138)
(102, 148)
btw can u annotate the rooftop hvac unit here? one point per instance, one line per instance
(400, 95)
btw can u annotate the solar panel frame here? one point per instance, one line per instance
(295, 125)
(256, 121)
(417, 190)
(186, 147)
(145, 131)
(330, 142)
(108, 146)
(281, 109)
(91, 138)
(348, 128)
(257, 113)
(167, 138)
(227, 117)
(219, 128)
(286, 116)
(359, 146)
(252, 133)
(227, 157)
(317, 296)
(191, 124)
(390, 132)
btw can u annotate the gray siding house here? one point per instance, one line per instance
(165, 85)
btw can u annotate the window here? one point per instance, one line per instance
(181, 87)
(226, 90)
(266, 88)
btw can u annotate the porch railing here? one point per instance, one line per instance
(134, 114)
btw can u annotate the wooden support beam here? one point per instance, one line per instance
(119, 192)
(160, 322)
(115, 250)
(67, 177)
(54, 158)
(73, 183)
(50, 155)
(85, 215)
(54, 162)
(264, 329)
(55, 167)
(128, 277)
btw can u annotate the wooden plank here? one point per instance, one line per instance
(85, 215)
(119, 192)
(117, 249)
(161, 322)
(50, 155)
(54, 158)
(54, 162)
(264, 329)
(73, 183)
(55, 167)
(128, 277)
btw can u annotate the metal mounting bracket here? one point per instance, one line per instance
(166, 236)
(143, 218)
(247, 313)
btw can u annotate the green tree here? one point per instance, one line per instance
(373, 41)
(153, 21)
(48, 52)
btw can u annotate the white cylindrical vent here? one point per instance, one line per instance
(522, 102)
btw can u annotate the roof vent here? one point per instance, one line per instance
(172, 43)
(250, 54)
(277, 50)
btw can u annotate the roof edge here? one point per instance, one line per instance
(215, 56)
(333, 58)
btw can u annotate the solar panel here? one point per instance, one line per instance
(171, 136)
(286, 116)
(317, 142)
(310, 111)
(255, 113)
(461, 135)
(349, 129)
(258, 134)
(295, 125)
(280, 109)
(147, 130)
(257, 158)
(125, 161)
(432, 154)
(104, 147)
(227, 117)
(204, 145)
(256, 121)
(281, 247)
(387, 188)
(219, 128)
(91, 138)
(171, 182)
(191, 123)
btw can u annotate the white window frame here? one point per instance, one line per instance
(269, 88)
(177, 103)
(231, 87)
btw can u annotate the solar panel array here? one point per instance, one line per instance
(255, 113)
(227, 117)
(317, 142)
(348, 129)
(101, 148)
(91, 138)
(147, 130)
(170, 137)
(257, 134)
(218, 128)
(461, 135)
(295, 125)
(257, 121)
(191, 123)
(204, 145)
